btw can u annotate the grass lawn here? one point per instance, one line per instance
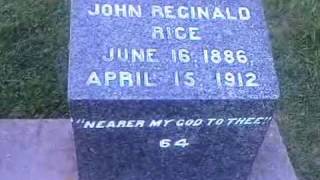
(33, 44)
(295, 27)
(32, 33)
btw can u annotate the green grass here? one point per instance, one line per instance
(295, 27)
(32, 33)
(33, 44)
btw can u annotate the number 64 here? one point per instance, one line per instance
(166, 143)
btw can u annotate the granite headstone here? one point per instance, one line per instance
(177, 90)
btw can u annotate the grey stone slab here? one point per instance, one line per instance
(272, 161)
(44, 150)
(222, 151)
(93, 35)
(225, 75)
(37, 150)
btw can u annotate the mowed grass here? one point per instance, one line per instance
(32, 35)
(33, 48)
(295, 30)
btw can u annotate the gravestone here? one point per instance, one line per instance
(181, 90)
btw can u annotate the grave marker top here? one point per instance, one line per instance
(145, 49)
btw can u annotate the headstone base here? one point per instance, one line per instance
(44, 149)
